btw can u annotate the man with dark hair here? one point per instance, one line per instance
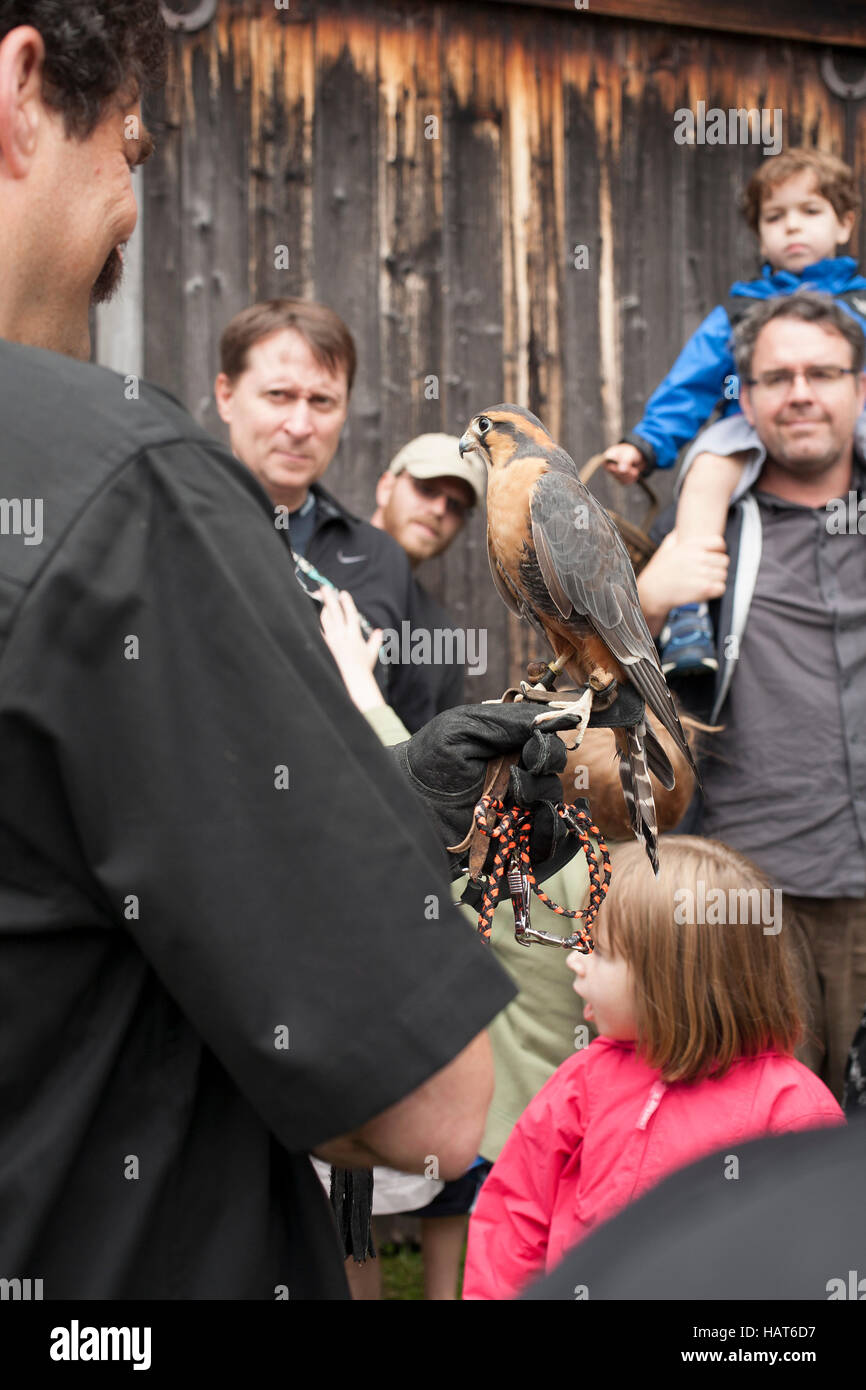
(785, 780)
(286, 371)
(74, 75)
(202, 977)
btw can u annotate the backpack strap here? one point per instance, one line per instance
(855, 300)
(737, 305)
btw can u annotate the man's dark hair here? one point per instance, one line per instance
(810, 307)
(324, 332)
(97, 53)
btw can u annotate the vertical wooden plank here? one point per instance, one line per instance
(410, 231)
(346, 173)
(474, 350)
(293, 192)
(164, 347)
(198, 184)
(230, 279)
(281, 160)
(583, 432)
(545, 231)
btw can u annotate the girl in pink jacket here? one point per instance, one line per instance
(692, 988)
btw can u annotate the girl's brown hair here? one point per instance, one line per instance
(706, 992)
(835, 180)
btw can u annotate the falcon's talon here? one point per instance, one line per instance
(579, 710)
(537, 693)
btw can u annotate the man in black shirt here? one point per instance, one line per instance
(198, 865)
(423, 500)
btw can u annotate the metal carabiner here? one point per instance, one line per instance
(518, 887)
(524, 933)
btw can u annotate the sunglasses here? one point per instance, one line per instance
(432, 492)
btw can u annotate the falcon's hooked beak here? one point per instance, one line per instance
(467, 443)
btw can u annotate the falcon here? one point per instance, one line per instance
(558, 560)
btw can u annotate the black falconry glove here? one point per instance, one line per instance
(447, 761)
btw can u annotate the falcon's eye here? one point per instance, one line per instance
(483, 424)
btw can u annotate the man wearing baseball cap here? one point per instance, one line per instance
(423, 500)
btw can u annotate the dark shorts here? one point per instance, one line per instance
(457, 1198)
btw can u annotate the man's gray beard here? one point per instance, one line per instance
(808, 468)
(109, 280)
(811, 467)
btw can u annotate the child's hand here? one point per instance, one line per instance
(625, 462)
(354, 654)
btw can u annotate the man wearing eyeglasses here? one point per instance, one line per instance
(785, 779)
(423, 500)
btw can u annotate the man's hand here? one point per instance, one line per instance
(625, 462)
(689, 571)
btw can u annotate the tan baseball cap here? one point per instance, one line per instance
(438, 456)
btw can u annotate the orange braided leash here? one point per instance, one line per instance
(510, 827)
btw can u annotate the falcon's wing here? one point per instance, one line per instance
(585, 565)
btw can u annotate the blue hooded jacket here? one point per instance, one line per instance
(704, 372)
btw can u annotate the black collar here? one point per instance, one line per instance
(329, 509)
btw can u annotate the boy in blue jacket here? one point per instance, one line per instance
(801, 205)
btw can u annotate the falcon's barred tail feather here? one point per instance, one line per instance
(658, 760)
(637, 790)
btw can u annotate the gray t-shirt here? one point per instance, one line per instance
(785, 782)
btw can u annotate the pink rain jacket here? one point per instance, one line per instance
(602, 1131)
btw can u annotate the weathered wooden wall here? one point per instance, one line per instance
(453, 256)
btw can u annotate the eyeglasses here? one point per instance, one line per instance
(780, 382)
(432, 492)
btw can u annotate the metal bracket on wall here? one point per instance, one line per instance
(840, 86)
(197, 18)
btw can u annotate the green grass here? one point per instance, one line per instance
(403, 1275)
